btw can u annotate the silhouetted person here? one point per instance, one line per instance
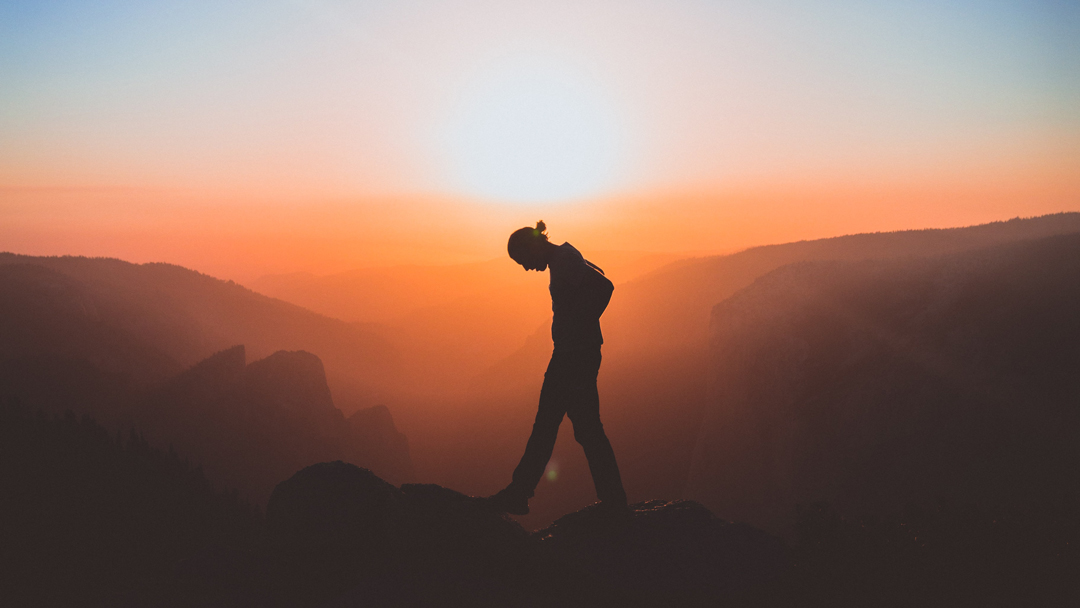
(579, 294)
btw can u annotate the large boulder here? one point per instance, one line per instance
(450, 549)
(333, 509)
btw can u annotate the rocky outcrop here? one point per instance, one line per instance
(332, 509)
(377, 443)
(252, 424)
(290, 380)
(339, 536)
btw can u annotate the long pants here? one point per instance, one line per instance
(570, 389)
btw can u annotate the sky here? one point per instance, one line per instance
(245, 138)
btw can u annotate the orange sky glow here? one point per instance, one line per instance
(323, 136)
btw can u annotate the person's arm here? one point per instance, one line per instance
(597, 291)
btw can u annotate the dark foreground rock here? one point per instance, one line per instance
(664, 552)
(339, 536)
(332, 509)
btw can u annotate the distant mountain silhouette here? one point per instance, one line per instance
(45, 314)
(94, 335)
(678, 298)
(60, 351)
(152, 320)
(870, 384)
(112, 340)
(252, 424)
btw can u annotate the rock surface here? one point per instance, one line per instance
(337, 535)
(663, 551)
(332, 508)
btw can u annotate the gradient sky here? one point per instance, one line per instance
(249, 137)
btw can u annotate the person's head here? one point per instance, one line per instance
(529, 247)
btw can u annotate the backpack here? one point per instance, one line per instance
(596, 290)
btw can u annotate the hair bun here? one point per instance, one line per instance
(541, 226)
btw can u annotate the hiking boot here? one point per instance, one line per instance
(510, 500)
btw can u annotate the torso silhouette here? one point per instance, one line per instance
(579, 294)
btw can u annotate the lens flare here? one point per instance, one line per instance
(552, 472)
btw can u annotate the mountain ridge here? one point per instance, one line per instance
(187, 316)
(250, 424)
(947, 375)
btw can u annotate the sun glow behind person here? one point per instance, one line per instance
(248, 138)
(533, 131)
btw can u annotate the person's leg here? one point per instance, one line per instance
(549, 416)
(583, 409)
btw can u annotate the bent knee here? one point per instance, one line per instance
(591, 433)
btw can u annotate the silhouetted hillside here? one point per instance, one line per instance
(110, 339)
(45, 314)
(87, 517)
(678, 298)
(253, 424)
(870, 384)
(58, 351)
(150, 320)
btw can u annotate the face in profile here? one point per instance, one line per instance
(532, 260)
